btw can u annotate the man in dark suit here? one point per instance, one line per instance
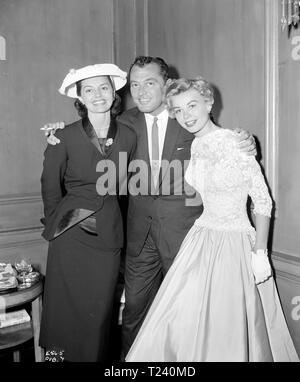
(159, 216)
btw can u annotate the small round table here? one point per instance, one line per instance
(17, 334)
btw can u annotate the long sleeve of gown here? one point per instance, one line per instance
(258, 189)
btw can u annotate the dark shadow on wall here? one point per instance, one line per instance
(217, 106)
(127, 102)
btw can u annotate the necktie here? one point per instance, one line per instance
(155, 152)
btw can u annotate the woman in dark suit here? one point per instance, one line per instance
(83, 222)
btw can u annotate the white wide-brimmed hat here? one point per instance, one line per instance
(68, 87)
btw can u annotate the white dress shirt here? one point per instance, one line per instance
(162, 122)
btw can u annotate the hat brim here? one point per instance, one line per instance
(68, 86)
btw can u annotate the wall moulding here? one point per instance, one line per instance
(19, 199)
(27, 244)
(18, 238)
(272, 95)
(286, 266)
(22, 212)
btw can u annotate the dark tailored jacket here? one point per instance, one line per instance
(69, 180)
(173, 205)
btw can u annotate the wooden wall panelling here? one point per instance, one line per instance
(142, 27)
(130, 30)
(124, 27)
(222, 41)
(130, 36)
(280, 117)
(23, 212)
(26, 244)
(287, 269)
(20, 230)
(44, 39)
(272, 96)
(286, 237)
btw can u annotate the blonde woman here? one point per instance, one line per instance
(218, 301)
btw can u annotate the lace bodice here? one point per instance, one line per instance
(224, 176)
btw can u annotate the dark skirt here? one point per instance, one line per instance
(78, 296)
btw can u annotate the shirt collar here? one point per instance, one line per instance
(164, 115)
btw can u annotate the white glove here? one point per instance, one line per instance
(260, 265)
(50, 129)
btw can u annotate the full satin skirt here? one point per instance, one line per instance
(209, 308)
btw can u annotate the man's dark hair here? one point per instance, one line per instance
(142, 61)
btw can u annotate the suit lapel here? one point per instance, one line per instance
(142, 138)
(142, 153)
(172, 133)
(111, 137)
(91, 134)
(135, 119)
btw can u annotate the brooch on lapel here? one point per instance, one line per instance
(109, 142)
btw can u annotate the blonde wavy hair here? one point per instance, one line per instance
(181, 85)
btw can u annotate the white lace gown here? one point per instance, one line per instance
(208, 307)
